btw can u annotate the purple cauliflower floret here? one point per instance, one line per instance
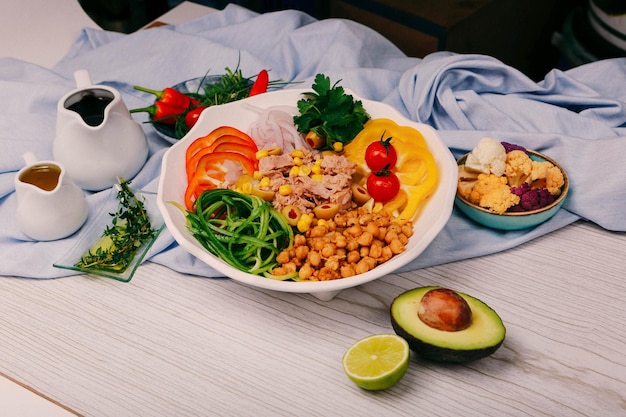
(531, 198)
(508, 147)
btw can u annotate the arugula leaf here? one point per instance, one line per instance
(331, 113)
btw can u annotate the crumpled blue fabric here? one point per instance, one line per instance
(578, 117)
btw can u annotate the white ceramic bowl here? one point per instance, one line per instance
(239, 114)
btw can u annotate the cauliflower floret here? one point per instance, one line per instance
(518, 167)
(546, 175)
(487, 157)
(531, 198)
(491, 191)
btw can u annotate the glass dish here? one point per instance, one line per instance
(93, 232)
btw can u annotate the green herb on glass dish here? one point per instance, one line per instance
(130, 228)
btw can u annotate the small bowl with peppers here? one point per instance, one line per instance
(530, 191)
(176, 109)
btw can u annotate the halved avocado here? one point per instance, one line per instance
(481, 338)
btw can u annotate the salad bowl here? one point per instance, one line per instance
(241, 114)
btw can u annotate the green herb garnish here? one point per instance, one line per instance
(330, 113)
(130, 228)
(243, 230)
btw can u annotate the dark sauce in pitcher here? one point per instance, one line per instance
(91, 108)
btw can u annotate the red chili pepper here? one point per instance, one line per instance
(171, 97)
(261, 83)
(160, 112)
(193, 115)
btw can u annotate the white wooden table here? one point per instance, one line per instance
(167, 344)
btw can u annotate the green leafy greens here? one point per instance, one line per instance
(330, 113)
(130, 228)
(243, 230)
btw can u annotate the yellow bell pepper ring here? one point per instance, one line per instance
(416, 167)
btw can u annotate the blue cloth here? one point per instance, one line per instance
(577, 117)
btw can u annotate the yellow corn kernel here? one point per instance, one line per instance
(378, 206)
(304, 170)
(338, 147)
(257, 175)
(284, 189)
(261, 154)
(316, 168)
(304, 223)
(294, 171)
(317, 177)
(265, 182)
(322, 222)
(297, 153)
(246, 188)
(298, 161)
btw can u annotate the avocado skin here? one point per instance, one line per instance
(441, 354)
(438, 353)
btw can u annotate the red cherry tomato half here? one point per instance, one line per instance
(383, 186)
(381, 155)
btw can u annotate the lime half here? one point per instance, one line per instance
(377, 362)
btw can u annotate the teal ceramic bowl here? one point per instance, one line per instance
(514, 220)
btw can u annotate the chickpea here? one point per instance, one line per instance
(365, 239)
(353, 257)
(318, 231)
(391, 235)
(365, 219)
(306, 271)
(385, 254)
(352, 244)
(318, 244)
(314, 259)
(354, 231)
(347, 271)
(299, 240)
(328, 250)
(290, 267)
(283, 257)
(361, 267)
(326, 274)
(302, 252)
(332, 263)
(372, 228)
(339, 240)
(396, 246)
(375, 251)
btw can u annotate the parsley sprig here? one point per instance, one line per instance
(330, 113)
(130, 228)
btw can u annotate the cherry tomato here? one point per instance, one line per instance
(383, 186)
(192, 116)
(381, 155)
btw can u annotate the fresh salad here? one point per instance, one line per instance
(313, 192)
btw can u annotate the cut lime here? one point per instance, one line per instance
(377, 362)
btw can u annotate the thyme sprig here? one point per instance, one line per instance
(130, 228)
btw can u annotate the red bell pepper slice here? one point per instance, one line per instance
(210, 173)
(223, 144)
(206, 141)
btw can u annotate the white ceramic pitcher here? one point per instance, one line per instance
(96, 138)
(49, 205)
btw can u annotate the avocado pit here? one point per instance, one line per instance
(444, 309)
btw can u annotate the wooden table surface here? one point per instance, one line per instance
(169, 344)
